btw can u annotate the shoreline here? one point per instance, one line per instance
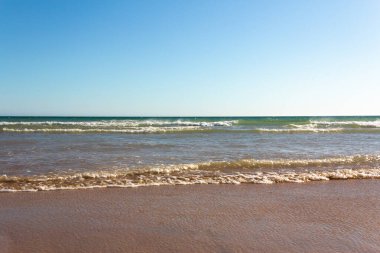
(334, 216)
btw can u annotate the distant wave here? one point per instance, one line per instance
(112, 126)
(188, 129)
(120, 123)
(267, 125)
(104, 130)
(222, 172)
(370, 124)
(301, 129)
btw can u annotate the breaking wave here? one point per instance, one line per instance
(104, 130)
(157, 125)
(368, 124)
(301, 129)
(223, 172)
(112, 126)
(120, 123)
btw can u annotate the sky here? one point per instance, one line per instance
(189, 58)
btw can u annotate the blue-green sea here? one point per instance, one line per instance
(48, 153)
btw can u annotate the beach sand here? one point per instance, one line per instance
(336, 216)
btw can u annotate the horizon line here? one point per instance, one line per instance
(190, 116)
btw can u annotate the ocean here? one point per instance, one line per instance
(50, 153)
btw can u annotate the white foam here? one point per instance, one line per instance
(375, 123)
(112, 126)
(300, 129)
(189, 179)
(223, 172)
(104, 130)
(121, 123)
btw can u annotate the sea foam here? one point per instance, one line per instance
(222, 172)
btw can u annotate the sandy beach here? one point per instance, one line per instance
(336, 216)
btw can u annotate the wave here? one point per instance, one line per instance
(301, 129)
(291, 163)
(326, 127)
(103, 130)
(267, 125)
(223, 172)
(369, 124)
(186, 129)
(112, 126)
(121, 123)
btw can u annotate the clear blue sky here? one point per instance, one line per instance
(198, 57)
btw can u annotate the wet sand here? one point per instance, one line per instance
(336, 216)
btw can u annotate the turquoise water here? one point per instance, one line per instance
(44, 153)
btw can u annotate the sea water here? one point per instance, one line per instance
(48, 153)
